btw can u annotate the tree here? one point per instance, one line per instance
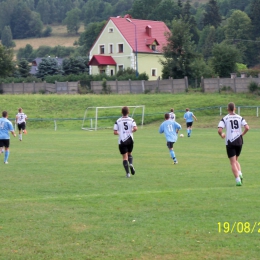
(88, 37)
(224, 59)
(6, 11)
(7, 38)
(179, 51)
(75, 65)
(43, 8)
(254, 14)
(25, 53)
(207, 41)
(72, 20)
(238, 30)
(6, 61)
(48, 66)
(212, 16)
(24, 68)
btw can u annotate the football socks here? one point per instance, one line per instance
(125, 164)
(6, 155)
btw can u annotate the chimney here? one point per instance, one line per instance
(148, 30)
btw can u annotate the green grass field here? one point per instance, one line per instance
(64, 194)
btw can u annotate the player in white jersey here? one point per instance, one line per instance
(21, 122)
(172, 115)
(124, 127)
(5, 127)
(234, 138)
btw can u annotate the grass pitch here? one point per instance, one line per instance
(64, 195)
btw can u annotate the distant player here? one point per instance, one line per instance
(170, 129)
(188, 116)
(172, 115)
(234, 139)
(5, 127)
(21, 122)
(125, 126)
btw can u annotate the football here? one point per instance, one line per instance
(181, 135)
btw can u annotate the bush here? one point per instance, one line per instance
(253, 87)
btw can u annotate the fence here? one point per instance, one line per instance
(40, 87)
(236, 85)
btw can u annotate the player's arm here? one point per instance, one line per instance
(194, 117)
(246, 129)
(16, 119)
(13, 133)
(134, 129)
(222, 135)
(116, 132)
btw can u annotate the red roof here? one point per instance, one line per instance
(101, 60)
(156, 29)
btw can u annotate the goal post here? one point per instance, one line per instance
(94, 117)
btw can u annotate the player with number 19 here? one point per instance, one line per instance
(170, 129)
(234, 138)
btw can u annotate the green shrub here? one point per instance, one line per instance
(253, 87)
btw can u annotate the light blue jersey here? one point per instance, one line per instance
(188, 116)
(170, 128)
(5, 127)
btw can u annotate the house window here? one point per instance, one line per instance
(154, 72)
(111, 72)
(120, 67)
(154, 47)
(111, 48)
(120, 48)
(110, 30)
(102, 71)
(102, 49)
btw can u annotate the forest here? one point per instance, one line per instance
(211, 27)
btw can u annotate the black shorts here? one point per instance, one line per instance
(170, 144)
(126, 147)
(189, 124)
(233, 150)
(5, 143)
(21, 126)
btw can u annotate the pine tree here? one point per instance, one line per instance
(7, 38)
(212, 16)
(24, 68)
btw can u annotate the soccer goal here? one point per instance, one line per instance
(104, 117)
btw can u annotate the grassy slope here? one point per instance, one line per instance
(64, 106)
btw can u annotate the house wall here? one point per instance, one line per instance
(147, 62)
(126, 58)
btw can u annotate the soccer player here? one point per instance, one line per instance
(21, 122)
(5, 127)
(125, 126)
(188, 116)
(170, 129)
(234, 139)
(172, 115)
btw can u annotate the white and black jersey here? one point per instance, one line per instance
(20, 118)
(233, 124)
(172, 116)
(124, 126)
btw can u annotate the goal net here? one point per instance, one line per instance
(104, 117)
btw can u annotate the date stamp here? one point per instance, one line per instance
(238, 227)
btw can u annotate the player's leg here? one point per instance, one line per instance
(7, 152)
(20, 132)
(238, 151)
(1, 147)
(231, 152)
(124, 152)
(172, 153)
(24, 128)
(130, 158)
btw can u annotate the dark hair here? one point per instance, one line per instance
(166, 116)
(172, 109)
(4, 113)
(125, 111)
(231, 106)
(187, 109)
(20, 110)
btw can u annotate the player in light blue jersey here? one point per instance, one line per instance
(5, 127)
(170, 129)
(188, 116)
